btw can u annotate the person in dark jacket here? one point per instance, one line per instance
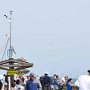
(46, 82)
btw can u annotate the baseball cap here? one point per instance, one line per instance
(46, 73)
(32, 74)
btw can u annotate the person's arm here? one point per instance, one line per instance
(71, 84)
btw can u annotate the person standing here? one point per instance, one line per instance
(84, 81)
(63, 82)
(69, 84)
(33, 83)
(18, 85)
(46, 82)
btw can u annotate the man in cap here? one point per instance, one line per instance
(33, 83)
(46, 82)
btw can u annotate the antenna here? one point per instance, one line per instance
(10, 22)
(10, 34)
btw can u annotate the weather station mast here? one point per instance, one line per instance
(13, 66)
(10, 51)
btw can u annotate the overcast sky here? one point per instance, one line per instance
(52, 34)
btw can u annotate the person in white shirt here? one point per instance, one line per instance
(18, 86)
(84, 82)
(63, 82)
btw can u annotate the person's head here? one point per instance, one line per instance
(89, 72)
(27, 77)
(46, 73)
(54, 75)
(57, 76)
(13, 84)
(66, 77)
(69, 80)
(32, 76)
(17, 82)
(22, 79)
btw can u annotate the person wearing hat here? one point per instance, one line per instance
(84, 81)
(33, 83)
(46, 81)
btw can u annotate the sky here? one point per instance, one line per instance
(52, 34)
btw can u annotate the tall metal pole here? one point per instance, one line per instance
(10, 22)
(11, 50)
(11, 77)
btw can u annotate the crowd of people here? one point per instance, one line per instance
(46, 82)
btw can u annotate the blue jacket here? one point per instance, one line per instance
(69, 87)
(32, 85)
